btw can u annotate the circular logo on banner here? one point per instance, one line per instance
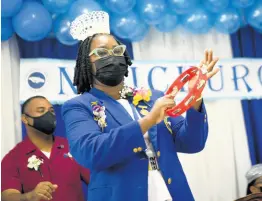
(36, 80)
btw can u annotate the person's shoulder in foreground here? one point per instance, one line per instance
(251, 197)
(254, 188)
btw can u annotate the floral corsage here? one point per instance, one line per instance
(99, 115)
(35, 163)
(138, 95)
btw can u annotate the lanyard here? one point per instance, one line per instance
(150, 154)
(134, 112)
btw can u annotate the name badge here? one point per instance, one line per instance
(153, 165)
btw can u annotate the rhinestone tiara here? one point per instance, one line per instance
(89, 24)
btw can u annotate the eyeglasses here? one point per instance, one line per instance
(103, 52)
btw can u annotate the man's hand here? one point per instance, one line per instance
(43, 191)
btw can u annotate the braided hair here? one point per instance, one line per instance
(83, 70)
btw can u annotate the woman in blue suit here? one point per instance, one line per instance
(123, 135)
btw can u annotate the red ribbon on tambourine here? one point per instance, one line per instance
(193, 95)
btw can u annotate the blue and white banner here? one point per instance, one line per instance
(53, 78)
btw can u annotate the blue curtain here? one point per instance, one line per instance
(51, 48)
(248, 43)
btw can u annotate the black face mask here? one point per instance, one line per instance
(111, 70)
(45, 123)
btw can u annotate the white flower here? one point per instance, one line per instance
(102, 121)
(95, 113)
(34, 162)
(102, 113)
(126, 91)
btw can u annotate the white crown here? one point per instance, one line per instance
(89, 24)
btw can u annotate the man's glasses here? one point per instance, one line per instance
(103, 52)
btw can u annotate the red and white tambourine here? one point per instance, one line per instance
(193, 95)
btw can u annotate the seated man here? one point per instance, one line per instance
(41, 167)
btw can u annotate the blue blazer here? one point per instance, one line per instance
(115, 156)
